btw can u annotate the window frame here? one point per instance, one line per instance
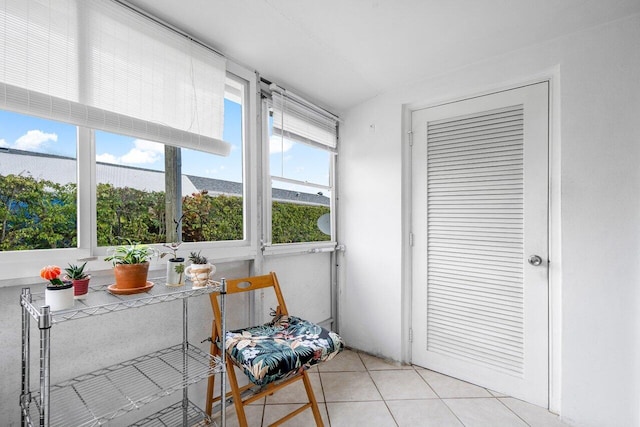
(24, 270)
(268, 247)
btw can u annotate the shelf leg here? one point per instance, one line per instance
(185, 344)
(25, 396)
(223, 354)
(44, 324)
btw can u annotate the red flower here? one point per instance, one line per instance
(51, 273)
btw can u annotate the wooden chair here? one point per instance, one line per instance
(280, 352)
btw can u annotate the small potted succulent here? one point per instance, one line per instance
(175, 265)
(58, 295)
(79, 278)
(200, 271)
(131, 267)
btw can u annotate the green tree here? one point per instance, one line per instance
(40, 214)
(36, 214)
(129, 213)
(209, 218)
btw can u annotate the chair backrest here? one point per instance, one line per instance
(246, 284)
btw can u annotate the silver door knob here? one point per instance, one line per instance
(535, 260)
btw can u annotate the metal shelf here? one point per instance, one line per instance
(100, 396)
(100, 301)
(175, 415)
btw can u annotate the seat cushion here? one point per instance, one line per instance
(281, 348)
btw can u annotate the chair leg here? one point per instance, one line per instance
(215, 351)
(312, 399)
(210, 388)
(236, 394)
(237, 397)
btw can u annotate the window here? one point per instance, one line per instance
(137, 182)
(37, 183)
(127, 132)
(213, 203)
(301, 143)
(38, 169)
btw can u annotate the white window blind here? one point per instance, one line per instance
(298, 122)
(98, 64)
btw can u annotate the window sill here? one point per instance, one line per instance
(299, 248)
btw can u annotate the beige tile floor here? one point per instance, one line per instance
(356, 389)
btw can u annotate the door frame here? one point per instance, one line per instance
(551, 76)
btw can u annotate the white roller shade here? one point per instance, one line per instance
(98, 64)
(298, 122)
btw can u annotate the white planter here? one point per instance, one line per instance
(200, 274)
(59, 298)
(176, 278)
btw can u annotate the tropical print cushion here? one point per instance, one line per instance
(281, 348)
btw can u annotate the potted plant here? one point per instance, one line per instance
(200, 271)
(175, 265)
(79, 278)
(58, 295)
(131, 267)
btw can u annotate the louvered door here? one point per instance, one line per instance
(480, 209)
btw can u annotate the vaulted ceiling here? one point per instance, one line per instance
(343, 52)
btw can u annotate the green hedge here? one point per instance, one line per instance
(293, 223)
(36, 214)
(40, 214)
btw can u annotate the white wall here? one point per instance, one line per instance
(596, 146)
(81, 346)
(305, 283)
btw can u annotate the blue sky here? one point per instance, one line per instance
(296, 161)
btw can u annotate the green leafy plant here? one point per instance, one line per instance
(75, 272)
(196, 258)
(131, 253)
(172, 250)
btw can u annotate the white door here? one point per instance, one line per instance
(479, 212)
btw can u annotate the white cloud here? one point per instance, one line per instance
(143, 152)
(106, 158)
(139, 157)
(3, 143)
(215, 171)
(279, 145)
(33, 139)
(144, 145)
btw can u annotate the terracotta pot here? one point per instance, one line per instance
(131, 276)
(59, 297)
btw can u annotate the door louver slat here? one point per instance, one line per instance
(509, 327)
(475, 208)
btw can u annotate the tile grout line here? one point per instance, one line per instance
(324, 397)
(438, 395)
(375, 367)
(512, 411)
(378, 389)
